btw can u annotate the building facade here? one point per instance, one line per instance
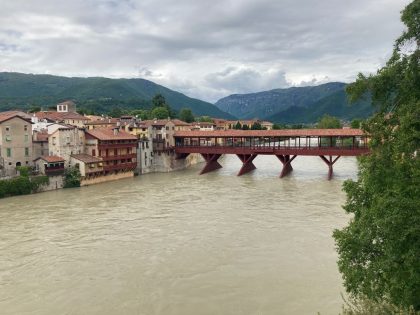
(15, 142)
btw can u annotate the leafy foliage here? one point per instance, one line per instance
(21, 185)
(297, 104)
(186, 115)
(99, 95)
(160, 113)
(72, 177)
(379, 250)
(364, 306)
(329, 122)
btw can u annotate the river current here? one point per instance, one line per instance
(179, 243)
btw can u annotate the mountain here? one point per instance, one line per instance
(20, 91)
(296, 104)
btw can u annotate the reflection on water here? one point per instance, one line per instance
(178, 243)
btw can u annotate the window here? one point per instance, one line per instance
(8, 152)
(167, 128)
(68, 139)
(93, 152)
(8, 138)
(7, 128)
(54, 140)
(25, 127)
(26, 138)
(26, 151)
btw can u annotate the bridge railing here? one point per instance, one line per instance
(343, 143)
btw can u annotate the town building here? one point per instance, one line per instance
(66, 107)
(103, 122)
(68, 118)
(116, 148)
(65, 141)
(40, 143)
(50, 165)
(15, 142)
(91, 168)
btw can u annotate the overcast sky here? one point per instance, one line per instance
(205, 49)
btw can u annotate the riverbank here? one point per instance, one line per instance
(23, 185)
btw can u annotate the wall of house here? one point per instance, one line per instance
(15, 137)
(39, 148)
(55, 182)
(167, 162)
(65, 142)
(106, 178)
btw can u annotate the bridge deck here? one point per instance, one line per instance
(247, 144)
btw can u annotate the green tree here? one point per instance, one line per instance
(245, 127)
(34, 109)
(256, 126)
(141, 113)
(205, 119)
(278, 126)
(158, 101)
(379, 251)
(72, 177)
(237, 125)
(160, 113)
(329, 122)
(355, 123)
(116, 112)
(186, 115)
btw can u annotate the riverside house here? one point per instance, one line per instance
(15, 142)
(116, 148)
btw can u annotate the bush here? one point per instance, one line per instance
(22, 185)
(72, 178)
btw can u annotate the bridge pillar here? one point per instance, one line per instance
(211, 162)
(330, 162)
(286, 160)
(247, 165)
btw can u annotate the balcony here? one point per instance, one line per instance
(102, 146)
(119, 157)
(54, 170)
(120, 167)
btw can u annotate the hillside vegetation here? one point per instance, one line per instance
(22, 91)
(296, 104)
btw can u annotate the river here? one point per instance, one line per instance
(179, 243)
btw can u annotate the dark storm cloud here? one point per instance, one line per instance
(205, 49)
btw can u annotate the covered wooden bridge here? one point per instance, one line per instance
(286, 144)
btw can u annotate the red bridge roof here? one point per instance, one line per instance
(272, 133)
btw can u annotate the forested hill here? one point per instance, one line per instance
(296, 104)
(21, 91)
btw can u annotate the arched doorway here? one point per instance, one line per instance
(18, 164)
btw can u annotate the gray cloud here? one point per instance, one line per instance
(204, 49)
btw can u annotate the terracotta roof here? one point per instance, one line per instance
(86, 158)
(105, 121)
(14, 113)
(156, 122)
(51, 158)
(178, 122)
(272, 133)
(204, 123)
(56, 116)
(108, 134)
(41, 136)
